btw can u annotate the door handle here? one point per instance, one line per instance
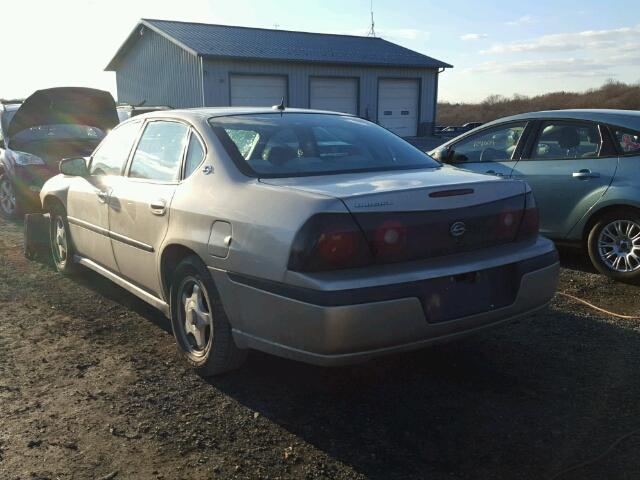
(103, 196)
(158, 207)
(585, 174)
(493, 172)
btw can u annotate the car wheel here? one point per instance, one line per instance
(614, 245)
(9, 207)
(61, 248)
(199, 322)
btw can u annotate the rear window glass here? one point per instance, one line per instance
(159, 152)
(628, 140)
(295, 144)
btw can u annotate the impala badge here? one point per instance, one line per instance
(457, 229)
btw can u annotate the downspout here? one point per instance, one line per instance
(202, 79)
(435, 101)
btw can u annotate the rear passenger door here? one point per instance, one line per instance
(490, 151)
(139, 204)
(569, 165)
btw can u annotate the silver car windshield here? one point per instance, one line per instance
(297, 144)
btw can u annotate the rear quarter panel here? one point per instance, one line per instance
(624, 191)
(264, 219)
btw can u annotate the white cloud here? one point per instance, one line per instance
(524, 20)
(564, 42)
(473, 36)
(564, 67)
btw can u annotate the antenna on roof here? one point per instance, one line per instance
(280, 107)
(372, 30)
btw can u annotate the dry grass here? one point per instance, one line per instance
(612, 94)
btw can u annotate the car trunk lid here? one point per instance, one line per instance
(424, 213)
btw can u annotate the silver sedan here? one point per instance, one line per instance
(316, 236)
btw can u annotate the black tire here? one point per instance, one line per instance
(597, 254)
(63, 263)
(216, 352)
(7, 184)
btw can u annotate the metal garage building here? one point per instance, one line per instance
(192, 64)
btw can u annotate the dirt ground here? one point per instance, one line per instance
(91, 388)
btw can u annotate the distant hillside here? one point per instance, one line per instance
(611, 95)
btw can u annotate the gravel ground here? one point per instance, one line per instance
(91, 388)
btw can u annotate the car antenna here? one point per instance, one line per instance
(280, 107)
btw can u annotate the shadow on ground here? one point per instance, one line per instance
(576, 259)
(517, 402)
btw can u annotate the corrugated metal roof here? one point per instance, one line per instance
(282, 45)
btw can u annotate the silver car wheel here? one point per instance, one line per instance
(7, 196)
(619, 246)
(196, 324)
(61, 248)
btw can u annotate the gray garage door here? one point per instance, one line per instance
(257, 90)
(398, 105)
(335, 94)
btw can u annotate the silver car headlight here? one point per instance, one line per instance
(24, 158)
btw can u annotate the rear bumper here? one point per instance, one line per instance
(342, 327)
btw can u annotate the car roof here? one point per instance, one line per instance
(622, 118)
(209, 112)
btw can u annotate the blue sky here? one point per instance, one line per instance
(498, 47)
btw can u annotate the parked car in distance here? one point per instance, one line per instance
(315, 236)
(582, 167)
(125, 112)
(454, 130)
(48, 126)
(471, 125)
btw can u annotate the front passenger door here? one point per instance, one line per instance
(490, 151)
(140, 201)
(88, 197)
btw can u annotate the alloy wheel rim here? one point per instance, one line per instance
(196, 321)
(619, 246)
(7, 197)
(60, 240)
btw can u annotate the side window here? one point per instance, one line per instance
(567, 140)
(114, 150)
(493, 145)
(159, 153)
(628, 140)
(195, 155)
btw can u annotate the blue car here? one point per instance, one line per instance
(584, 169)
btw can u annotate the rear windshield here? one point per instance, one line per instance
(298, 144)
(58, 132)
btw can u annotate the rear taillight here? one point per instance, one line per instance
(390, 241)
(530, 222)
(329, 241)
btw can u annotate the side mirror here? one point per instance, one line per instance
(443, 155)
(74, 167)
